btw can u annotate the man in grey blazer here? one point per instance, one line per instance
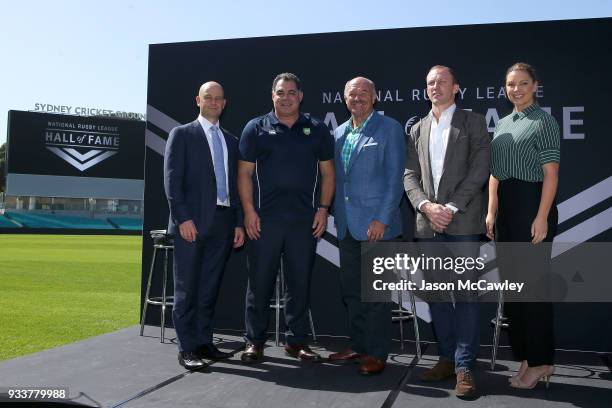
(447, 169)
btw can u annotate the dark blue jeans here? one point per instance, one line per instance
(457, 327)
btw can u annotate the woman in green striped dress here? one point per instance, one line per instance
(522, 208)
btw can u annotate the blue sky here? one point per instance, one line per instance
(94, 54)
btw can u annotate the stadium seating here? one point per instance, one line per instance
(125, 223)
(39, 220)
(12, 219)
(7, 223)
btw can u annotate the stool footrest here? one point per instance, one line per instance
(502, 324)
(157, 301)
(401, 318)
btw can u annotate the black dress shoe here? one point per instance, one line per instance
(210, 352)
(252, 354)
(302, 352)
(190, 360)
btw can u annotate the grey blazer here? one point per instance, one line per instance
(464, 176)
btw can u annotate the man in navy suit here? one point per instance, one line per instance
(200, 184)
(369, 158)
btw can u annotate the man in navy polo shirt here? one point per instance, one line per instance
(286, 183)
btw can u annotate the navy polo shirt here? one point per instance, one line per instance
(286, 178)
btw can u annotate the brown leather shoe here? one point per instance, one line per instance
(371, 365)
(252, 354)
(466, 386)
(302, 352)
(346, 356)
(441, 371)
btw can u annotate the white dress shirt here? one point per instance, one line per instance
(438, 141)
(206, 125)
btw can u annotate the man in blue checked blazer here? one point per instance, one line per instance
(370, 162)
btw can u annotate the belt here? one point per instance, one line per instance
(222, 207)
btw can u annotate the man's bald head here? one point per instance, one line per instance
(208, 85)
(361, 82)
(211, 100)
(360, 96)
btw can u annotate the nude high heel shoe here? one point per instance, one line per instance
(524, 366)
(545, 375)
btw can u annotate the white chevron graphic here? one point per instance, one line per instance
(154, 142)
(81, 166)
(162, 121)
(329, 252)
(585, 200)
(326, 249)
(81, 157)
(583, 232)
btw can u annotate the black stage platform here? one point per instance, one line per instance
(122, 369)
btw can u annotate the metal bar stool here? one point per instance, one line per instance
(499, 322)
(278, 303)
(165, 242)
(400, 314)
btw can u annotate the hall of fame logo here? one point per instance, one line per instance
(82, 145)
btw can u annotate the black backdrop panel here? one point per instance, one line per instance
(571, 57)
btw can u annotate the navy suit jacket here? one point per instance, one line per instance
(189, 177)
(371, 188)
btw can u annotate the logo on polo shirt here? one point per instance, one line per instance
(306, 131)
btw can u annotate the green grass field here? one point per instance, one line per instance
(57, 289)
